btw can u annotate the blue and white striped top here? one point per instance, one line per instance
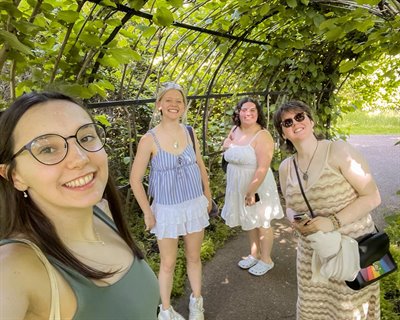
(174, 179)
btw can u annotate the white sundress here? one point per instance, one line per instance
(242, 164)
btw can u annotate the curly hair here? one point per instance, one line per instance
(260, 119)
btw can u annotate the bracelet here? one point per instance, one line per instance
(335, 221)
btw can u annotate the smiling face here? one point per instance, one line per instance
(172, 104)
(248, 113)
(296, 125)
(79, 180)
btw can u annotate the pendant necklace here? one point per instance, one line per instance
(174, 138)
(305, 173)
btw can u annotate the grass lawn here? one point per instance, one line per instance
(364, 122)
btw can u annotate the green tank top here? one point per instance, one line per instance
(135, 296)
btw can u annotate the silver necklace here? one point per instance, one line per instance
(305, 173)
(175, 140)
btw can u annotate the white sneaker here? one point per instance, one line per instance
(196, 310)
(169, 314)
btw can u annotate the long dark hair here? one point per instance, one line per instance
(260, 119)
(290, 106)
(19, 215)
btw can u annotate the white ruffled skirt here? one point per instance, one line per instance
(180, 219)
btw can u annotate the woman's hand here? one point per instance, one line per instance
(227, 143)
(250, 199)
(209, 207)
(149, 221)
(311, 226)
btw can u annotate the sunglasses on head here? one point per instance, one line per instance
(299, 117)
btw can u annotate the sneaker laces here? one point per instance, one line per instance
(174, 314)
(197, 306)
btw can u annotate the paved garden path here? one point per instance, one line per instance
(233, 294)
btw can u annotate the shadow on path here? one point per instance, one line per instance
(231, 293)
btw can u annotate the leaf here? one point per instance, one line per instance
(96, 89)
(106, 84)
(91, 40)
(14, 43)
(10, 9)
(108, 61)
(149, 31)
(283, 44)
(273, 61)
(334, 34)
(176, 3)
(245, 21)
(370, 2)
(124, 55)
(318, 19)
(68, 16)
(75, 90)
(137, 4)
(265, 9)
(108, 3)
(291, 3)
(326, 24)
(346, 66)
(26, 27)
(113, 22)
(223, 47)
(102, 118)
(163, 17)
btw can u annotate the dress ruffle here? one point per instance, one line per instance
(181, 219)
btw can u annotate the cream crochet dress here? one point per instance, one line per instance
(333, 300)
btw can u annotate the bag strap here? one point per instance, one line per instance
(55, 295)
(302, 190)
(214, 209)
(190, 130)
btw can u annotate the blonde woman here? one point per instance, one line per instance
(180, 193)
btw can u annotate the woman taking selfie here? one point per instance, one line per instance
(53, 172)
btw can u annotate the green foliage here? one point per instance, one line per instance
(373, 122)
(390, 285)
(308, 49)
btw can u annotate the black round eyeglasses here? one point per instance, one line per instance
(51, 149)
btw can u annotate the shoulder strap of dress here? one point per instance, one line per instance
(55, 295)
(328, 151)
(191, 134)
(155, 138)
(251, 140)
(105, 218)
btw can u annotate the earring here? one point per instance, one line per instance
(25, 194)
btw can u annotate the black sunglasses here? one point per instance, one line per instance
(299, 117)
